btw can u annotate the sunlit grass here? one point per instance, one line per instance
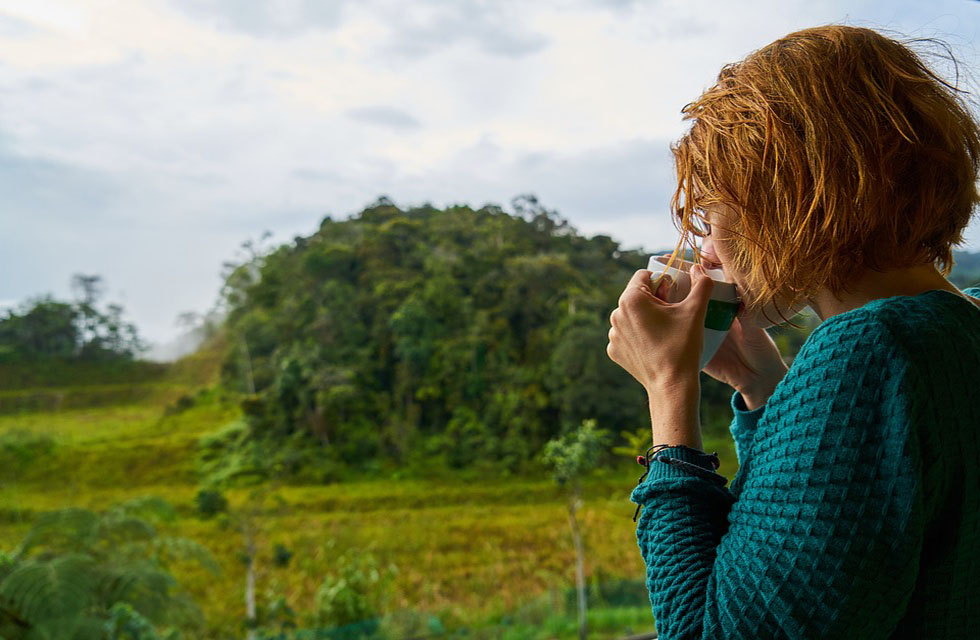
(454, 556)
(472, 548)
(465, 551)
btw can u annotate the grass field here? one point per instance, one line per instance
(475, 549)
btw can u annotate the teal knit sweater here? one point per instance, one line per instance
(855, 511)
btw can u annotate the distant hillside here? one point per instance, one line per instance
(453, 334)
(434, 337)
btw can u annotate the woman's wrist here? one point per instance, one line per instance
(758, 394)
(753, 401)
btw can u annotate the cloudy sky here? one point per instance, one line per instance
(146, 140)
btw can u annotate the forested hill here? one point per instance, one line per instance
(427, 335)
(434, 338)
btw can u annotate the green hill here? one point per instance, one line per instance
(426, 339)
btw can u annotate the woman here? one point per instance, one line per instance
(832, 169)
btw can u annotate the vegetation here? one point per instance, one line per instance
(49, 329)
(574, 456)
(362, 446)
(422, 337)
(87, 575)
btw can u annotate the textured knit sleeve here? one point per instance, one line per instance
(744, 424)
(821, 537)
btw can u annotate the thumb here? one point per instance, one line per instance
(701, 285)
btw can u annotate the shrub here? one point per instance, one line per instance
(358, 591)
(210, 502)
(19, 449)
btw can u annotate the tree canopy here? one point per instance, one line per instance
(455, 334)
(43, 328)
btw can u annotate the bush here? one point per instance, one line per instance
(181, 404)
(20, 449)
(230, 456)
(281, 555)
(210, 502)
(359, 590)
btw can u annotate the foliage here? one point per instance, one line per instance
(281, 555)
(636, 442)
(227, 456)
(44, 329)
(576, 453)
(84, 574)
(21, 448)
(572, 457)
(183, 403)
(457, 334)
(210, 502)
(358, 590)
(276, 617)
(126, 623)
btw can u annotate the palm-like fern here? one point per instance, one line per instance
(79, 574)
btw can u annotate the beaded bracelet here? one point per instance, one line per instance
(699, 471)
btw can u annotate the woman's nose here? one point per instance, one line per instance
(708, 252)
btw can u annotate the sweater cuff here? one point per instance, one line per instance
(702, 468)
(742, 411)
(698, 457)
(660, 469)
(744, 424)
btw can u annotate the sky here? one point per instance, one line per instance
(146, 140)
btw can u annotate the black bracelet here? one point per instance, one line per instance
(718, 479)
(644, 460)
(701, 472)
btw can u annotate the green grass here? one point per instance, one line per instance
(466, 550)
(55, 373)
(469, 548)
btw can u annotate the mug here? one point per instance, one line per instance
(722, 305)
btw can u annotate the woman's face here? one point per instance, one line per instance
(713, 246)
(715, 254)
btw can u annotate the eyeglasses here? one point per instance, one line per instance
(700, 214)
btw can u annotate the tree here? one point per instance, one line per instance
(572, 457)
(44, 328)
(88, 290)
(245, 519)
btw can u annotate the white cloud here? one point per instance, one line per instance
(384, 116)
(274, 18)
(145, 140)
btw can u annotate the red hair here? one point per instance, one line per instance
(837, 150)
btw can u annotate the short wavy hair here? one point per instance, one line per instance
(838, 150)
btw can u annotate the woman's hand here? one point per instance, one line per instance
(659, 343)
(748, 360)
